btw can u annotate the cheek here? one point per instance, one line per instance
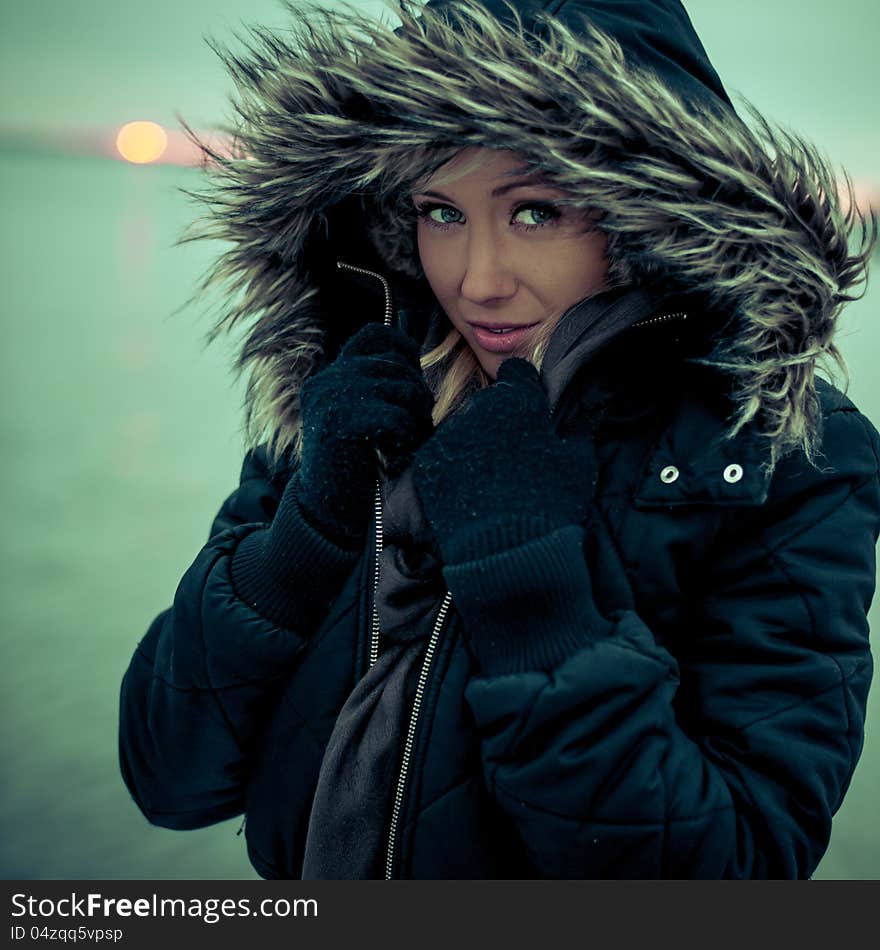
(584, 264)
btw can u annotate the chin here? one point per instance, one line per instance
(491, 366)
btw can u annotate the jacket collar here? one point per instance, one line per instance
(585, 330)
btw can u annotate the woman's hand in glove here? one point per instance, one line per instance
(496, 475)
(372, 396)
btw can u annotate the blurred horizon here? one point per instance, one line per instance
(75, 74)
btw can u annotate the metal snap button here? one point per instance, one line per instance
(733, 473)
(669, 474)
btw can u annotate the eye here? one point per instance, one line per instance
(536, 215)
(439, 216)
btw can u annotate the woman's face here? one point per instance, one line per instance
(496, 250)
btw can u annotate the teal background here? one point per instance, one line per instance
(121, 432)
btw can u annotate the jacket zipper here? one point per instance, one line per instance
(403, 773)
(411, 732)
(681, 315)
(406, 758)
(377, 499)
(374, 621)
(389, 308)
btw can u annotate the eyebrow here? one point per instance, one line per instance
(500, 190)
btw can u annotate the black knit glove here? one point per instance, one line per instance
(496, 475)
(372, 396)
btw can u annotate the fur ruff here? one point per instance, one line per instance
(343, 104)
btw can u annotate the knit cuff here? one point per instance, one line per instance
(528, 607)
(290, 573)
(494, 536)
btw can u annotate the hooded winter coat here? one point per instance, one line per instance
(674, 688)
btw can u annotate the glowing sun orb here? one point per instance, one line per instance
(141, 142)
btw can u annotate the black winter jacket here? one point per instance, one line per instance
(698, 706)
(702, 720)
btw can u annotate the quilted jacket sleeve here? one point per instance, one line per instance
(615, 758)
(202, 681)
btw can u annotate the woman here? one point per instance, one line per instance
(561, 569)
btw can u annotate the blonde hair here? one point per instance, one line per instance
(453, 371)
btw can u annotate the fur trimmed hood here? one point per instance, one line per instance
(336, 117)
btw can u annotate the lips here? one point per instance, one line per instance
(500, 342)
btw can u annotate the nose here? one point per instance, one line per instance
(488, 274)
